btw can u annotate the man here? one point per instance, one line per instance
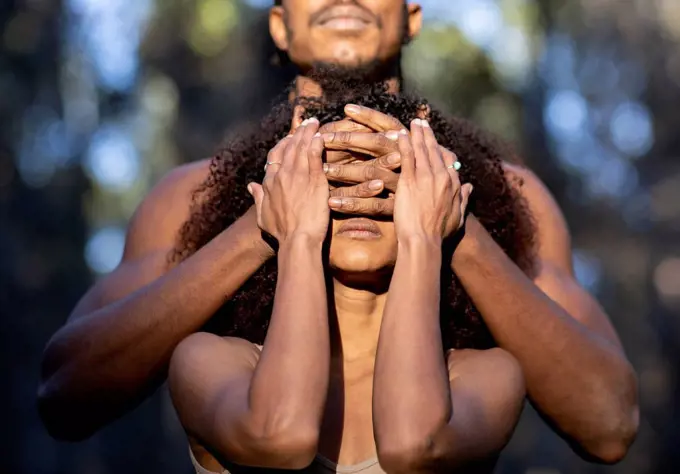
(114, 350)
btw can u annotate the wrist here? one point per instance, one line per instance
(420, 242)
(252, 237)
(420, 245)
(468, 247)
(300, 242)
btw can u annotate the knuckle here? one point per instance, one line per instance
(370, 172)
(350, 205)
(377, 206)
(382, 141)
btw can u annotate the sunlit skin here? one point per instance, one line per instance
(349, 32)
(346, 32)
(115, 348)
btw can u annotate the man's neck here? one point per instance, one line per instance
(307, 87)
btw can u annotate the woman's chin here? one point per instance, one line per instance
(360, 259)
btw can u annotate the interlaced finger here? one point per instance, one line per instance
(367, 189)
(360, 173)
(362, 206)
(372, 118)
(372, 144)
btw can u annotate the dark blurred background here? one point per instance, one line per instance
(99, 98)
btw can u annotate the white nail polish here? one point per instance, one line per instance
(425, 124)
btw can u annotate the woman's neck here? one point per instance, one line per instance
(356, 315)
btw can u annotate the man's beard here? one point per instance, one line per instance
(369, 71)
(338, 81)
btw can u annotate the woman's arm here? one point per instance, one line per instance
(428, 418)
(268, 413)
(425, 418)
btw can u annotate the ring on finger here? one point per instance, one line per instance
(456, 165)
(269, 163)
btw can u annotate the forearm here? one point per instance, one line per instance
(290, 383)
(411, 401)
(116, 354)
(581, 381)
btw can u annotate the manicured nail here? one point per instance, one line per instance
(304, 122)
(392, 135)
(403, 131)
(250, 189)
(317, 135)
(425, 124)
(326, 167)
(353, 109)
(313, 120)
(375, 185)
(417, 123)
(335, 202)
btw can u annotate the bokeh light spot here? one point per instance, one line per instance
(631, 129)
(104, 249)
(112, 159)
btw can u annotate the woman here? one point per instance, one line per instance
(357, 317)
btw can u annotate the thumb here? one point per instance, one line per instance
(257, 193)
(465, 192)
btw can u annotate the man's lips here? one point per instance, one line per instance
(359, 227)
(343, 17)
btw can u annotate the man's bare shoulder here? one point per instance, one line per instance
(553, 232)
(164, 210)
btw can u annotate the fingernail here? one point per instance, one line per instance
(403, 131)
(417, 123)
(425, 124)
(313, 120)
(317, 135)
(335, 202)
(393, 159)
(392, 135)
(325, 167)
(353, 109)
(304, 122)
(375, 185)
(250, 189)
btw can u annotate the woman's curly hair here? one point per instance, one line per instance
(223, 198)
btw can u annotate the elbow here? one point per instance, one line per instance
(619, 426)
(613, 444)
(407, 455)
(290, 449)
(58, 419)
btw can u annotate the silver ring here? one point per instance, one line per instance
(456, 165)
(270, 163)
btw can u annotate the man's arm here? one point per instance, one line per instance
(115, 347)
(428, 419)
(264, 413)
(576, 372)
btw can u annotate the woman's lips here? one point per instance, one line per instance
(359, 228)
